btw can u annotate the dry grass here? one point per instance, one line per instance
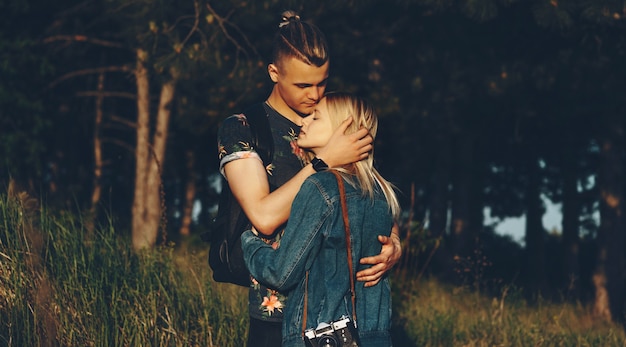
(99, 292)
(433, 314)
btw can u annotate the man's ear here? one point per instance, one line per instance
(272, 70)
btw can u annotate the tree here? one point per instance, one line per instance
(608, 277)
(150, 154)
(186, 38)
(23, 70)
(188, 46)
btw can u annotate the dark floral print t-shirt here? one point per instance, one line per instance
(235, 142)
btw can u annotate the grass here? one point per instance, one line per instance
(434, 314)
(61, 285)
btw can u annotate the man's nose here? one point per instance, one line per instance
(315, 94)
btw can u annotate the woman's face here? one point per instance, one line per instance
(316, 129)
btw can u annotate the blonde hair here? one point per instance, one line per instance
(342, 105)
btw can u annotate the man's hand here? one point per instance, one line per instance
(345, 149)
(388, 257)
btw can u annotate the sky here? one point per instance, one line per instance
(515, 227)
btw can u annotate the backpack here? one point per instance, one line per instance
(225, 253)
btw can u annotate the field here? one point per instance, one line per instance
(63, 284)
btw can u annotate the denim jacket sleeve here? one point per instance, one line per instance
(285, 267)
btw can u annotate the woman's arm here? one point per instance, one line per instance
(284, 267)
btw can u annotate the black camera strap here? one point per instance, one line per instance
(346, 227)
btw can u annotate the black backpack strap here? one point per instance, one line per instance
(261, 132)
(225, 254)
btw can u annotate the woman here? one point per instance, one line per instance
(314, 238)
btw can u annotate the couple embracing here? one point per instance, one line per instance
(298, 248)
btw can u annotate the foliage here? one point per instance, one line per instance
(23, 68)
(494, 69)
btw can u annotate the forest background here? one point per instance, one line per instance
(110, 108)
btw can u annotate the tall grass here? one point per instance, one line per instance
(61, 285)
(58, 287)
(433, 314)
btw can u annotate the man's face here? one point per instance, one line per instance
(301, 86)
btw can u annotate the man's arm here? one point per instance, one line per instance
(247, 179)
(388, 257)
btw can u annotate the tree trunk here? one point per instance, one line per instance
(155, 195)
(140, 234)
(148, 207)
(190, 194)
(461, 228)
(439, 205)
(535, 233)
(608, 277)
(571, 225)
(97, 153)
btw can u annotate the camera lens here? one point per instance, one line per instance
(328, 341)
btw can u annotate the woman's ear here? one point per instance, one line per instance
(272, 70)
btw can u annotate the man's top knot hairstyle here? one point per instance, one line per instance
(300, 40)
(288, 16)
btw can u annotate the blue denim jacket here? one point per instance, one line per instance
(314, 241)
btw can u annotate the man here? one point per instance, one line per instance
(299, 70)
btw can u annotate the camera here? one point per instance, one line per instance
(334, 334)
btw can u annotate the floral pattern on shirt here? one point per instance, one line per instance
(235, 142)
(292, 138)
(272, 302)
